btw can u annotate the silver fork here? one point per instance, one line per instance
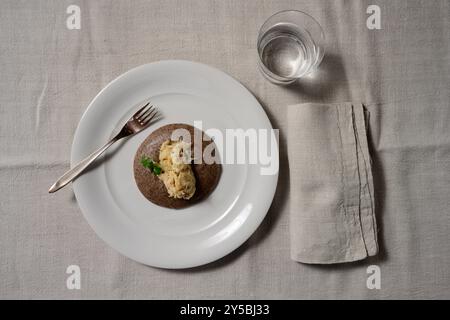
(138, 122)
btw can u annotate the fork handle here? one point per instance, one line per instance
(81, 166)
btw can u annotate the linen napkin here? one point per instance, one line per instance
(332, 213)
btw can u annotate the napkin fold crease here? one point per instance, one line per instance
(332, 214)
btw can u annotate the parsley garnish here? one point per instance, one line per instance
(151, 165)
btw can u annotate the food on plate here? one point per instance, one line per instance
(177, 174)
(166, 173)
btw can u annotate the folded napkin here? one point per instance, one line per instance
(332, 216)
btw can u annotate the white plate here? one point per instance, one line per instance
(109, 198)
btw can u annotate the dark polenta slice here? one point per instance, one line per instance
(206, 175)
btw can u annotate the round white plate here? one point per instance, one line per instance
(109, 198)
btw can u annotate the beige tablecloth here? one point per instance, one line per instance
(49, 74)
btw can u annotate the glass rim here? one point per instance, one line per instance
(270, 75)
(322, 33)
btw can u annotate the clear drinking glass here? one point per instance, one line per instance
(290, 45)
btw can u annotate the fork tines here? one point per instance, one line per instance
(145, 114)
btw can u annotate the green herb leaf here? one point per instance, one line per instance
(152, 166)
(157, 170)
(147, 162)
